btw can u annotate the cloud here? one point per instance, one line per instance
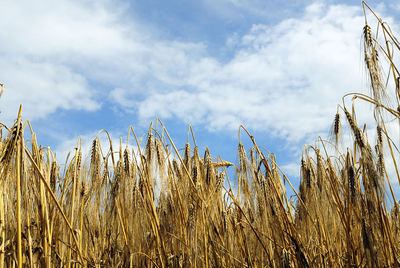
(42, 88)
(39, 44)
(284, 79)
(56, 54)
(46, 28)
(291, 170)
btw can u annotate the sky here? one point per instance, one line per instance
(277, 67)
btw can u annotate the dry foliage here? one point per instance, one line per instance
(109, 213)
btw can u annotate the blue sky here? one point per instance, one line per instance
(277, 67)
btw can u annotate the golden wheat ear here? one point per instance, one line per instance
(95, 160)
(2, 89)
(335, 133)
(358, 135)
(371, 59)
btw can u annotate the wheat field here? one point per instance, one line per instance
(154, 205)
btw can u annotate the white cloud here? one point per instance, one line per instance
(39, 41)
(291, 170)
(42, 87)
(55, 53)
(119, 95)
(46, 27)
(284, 79)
